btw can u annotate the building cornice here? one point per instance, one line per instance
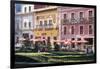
(44, 9)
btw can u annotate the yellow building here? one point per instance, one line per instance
(46, 26)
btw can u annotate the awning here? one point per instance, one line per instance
(21, 39)
(80, 41)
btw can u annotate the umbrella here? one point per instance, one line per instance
(59, 40)
(56, 40)
(67, 42)
(38, 39)
(81, 41)
(42, 39)
(62, 40)
(22, 39)
(75, 41)
(32, 39)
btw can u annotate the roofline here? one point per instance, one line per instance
(47, 8)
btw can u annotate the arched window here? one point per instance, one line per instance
(45, 23)
(81, 15)
(25, 9)
(90, 13)
(41, 24)
(29, 24)
(65, 30)
(72, 16)
(25, 24)
(50, 22)
(72, 30)
(65, 16)
(29, 8)
(90, 29)
(81, 29)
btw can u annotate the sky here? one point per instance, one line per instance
(18, 7)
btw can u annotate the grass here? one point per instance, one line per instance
(68, 53)
(33, 54)
(59, 57)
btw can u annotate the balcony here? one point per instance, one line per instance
(91, 19)
(64, 21)
(73, 21)
(77, 20)
(69, 21)
(82, 20)
(46, 27)
(38, 28)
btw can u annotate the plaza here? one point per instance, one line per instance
(55, 34)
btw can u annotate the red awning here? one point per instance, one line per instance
(81, 41)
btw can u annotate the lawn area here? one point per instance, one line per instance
(59, 57)
(33, 54)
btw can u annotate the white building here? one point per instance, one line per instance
(27, 20)
(18, 25)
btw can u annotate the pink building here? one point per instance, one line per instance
(77, 23)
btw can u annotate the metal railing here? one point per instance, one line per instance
(77, 20)
(41, 27)
(91, 19)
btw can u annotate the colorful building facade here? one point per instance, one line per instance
(27, 20)
(18, 25)
(46, 26)
(77, 23)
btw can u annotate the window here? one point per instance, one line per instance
(73, 39)
(64, 30)
(41, 23)
(25, 9)
(90, 41)
(73, 16)
(25, 35)
(90, 13)
(25, 24)
(90, 16)
(45, 23)
(90, 29)
(29, 24)
(72, 30)
(31, 36)
(50, 22)
(29, 8)
(73, 45)
(81, 29)
(78, 39)
(55, 38)
(81, 14)
(65, 16)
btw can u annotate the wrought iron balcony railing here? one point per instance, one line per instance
(77, 20)
(41, 27)
(91, 19)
